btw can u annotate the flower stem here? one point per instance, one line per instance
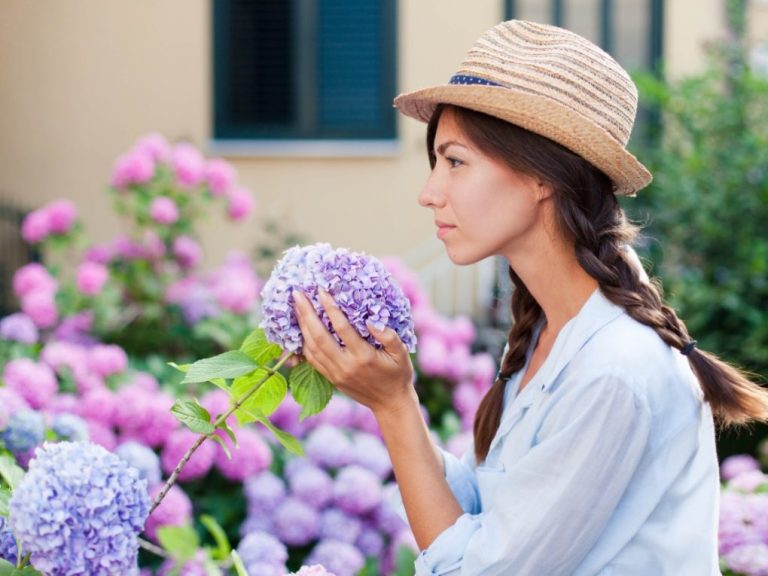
(152, 548)
(179, 467)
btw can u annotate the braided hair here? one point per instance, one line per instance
(589, 213)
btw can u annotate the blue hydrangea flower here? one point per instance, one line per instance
(143, 458)
(264, 492)
(296, 523)
(8, 549)
(313, 486)
(79, 510)
(18, 327)
(328, 447)
(262, 553)
(361, 286)
(25, 430)
(341, 558)
(336, 524)
(70, 427)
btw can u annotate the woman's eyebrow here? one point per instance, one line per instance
(441, 149)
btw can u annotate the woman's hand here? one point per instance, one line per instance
(381, 379)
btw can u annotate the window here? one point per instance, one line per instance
(630, 30)
(304, 69)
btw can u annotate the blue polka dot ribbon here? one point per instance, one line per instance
(464, 79)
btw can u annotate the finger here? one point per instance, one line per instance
(389, 339)
(318, 341)
(348, 334)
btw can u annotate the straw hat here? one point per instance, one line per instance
(552, 82)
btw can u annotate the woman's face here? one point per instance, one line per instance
(482, 207)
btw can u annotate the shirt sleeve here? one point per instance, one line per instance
(545, 511)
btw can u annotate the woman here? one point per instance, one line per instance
(594, 450)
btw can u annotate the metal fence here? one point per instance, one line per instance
(14, 253)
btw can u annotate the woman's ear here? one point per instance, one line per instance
(543, 190)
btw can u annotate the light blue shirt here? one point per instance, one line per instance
(604, 464)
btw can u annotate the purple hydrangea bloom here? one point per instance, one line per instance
(370, 541)
(18, 327)
(264, 493)
(336, 524)
(262, 553)
(314, 570)
(142, 458)
(734, 466)
(196, 566)
(357, 490)
(296, 523)
(751, 559)
(369, 452)
(251, 456)
(10, 402)
(257, 523)
(70, 427)
(25, 430)
(75, 497)
(313, 486)
(328, 447)
(341, 558)
(385, 517)
(360, 284)
(8, 549)
(144, 415)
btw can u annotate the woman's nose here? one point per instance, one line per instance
(430, 194)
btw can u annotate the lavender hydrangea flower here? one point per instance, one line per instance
(174, 510)
(370, 541)
(18, 327)
(360, 284)
(143, 459)
(369, 452)
(24, 431)
(75, 497)
(751, 559)
(314, 570)
(328, 447)
(70, 427)
(357, 490)
(313, 486)
(296, 523)
(8, 549)
(340, 557)
(264, 492)
(262, 553)
(336, 524)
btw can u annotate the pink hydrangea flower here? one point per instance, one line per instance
(144, 415)
(41, 307)
(155, 146)
(102, 435)
(31, 278)
(739, 464)
(59, 355)
(135, 168)
(107, 359)
(220, 176)
(34, 382)
(98, 405)
(314, 570)
(61, 216)
(749, 481)
(35, 227)
(91, 278)
(87, 380)
(432, 355)
(217, 402)
(241, 204)
(163, 210)
(127, 248)
(154, 246)
(174, 510)
(188, 165)
(251, 457)
(177, 445)
(236, 286)
(99, 254)
(186, 251)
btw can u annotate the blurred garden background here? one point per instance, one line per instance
(158, 156)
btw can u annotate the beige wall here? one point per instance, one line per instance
(80, 80)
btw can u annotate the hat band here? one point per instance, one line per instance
(464, 79)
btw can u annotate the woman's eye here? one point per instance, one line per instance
(454, 162)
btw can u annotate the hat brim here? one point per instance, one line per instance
(543, 116)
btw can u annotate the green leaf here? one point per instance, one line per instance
(8, 569)
(259, 348)
(405, 560)
(11, 472)
(238, 564)
(231, 433)
(311, 389)
(223, 547)
(227, 365)
(5, 496)
(181, 542)
(193, 416)
(267, 397)
(221, 383)
(289, 442)
(220, 440)
(180, 367)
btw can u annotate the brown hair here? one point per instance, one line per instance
(588, 211)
